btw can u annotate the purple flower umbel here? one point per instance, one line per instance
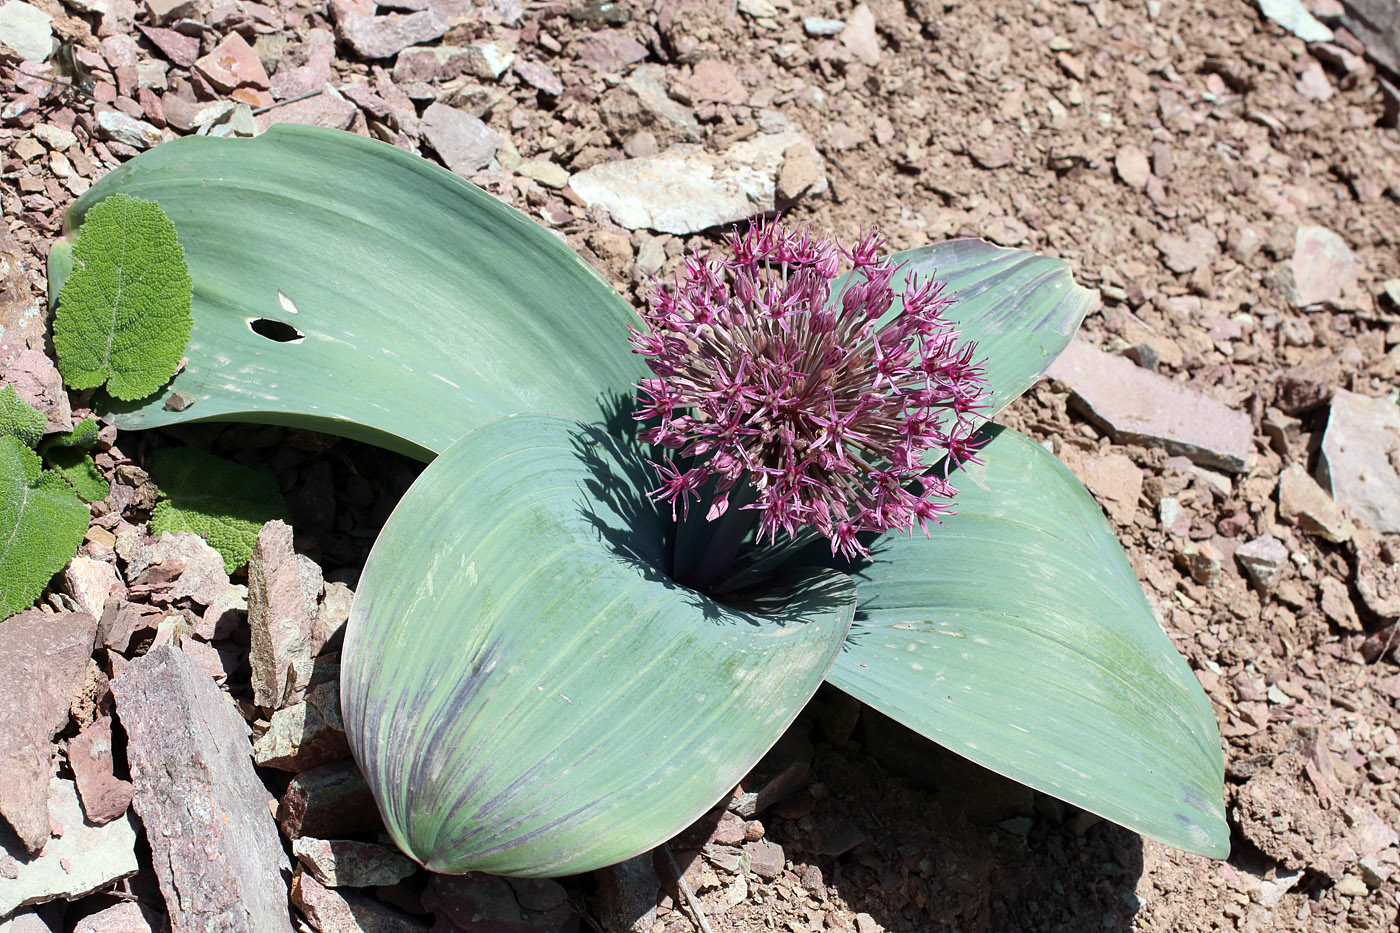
(764, 377)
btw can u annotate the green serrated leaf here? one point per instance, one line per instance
(19, 419)
(124, 312)
(41, 525)
(223, 501)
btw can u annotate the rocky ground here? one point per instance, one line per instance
(1231, 190)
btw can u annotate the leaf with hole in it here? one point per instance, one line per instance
(67, 453)
(41, 525)
(346, 286)
(19, 419)
(223, 501)
(123, 315)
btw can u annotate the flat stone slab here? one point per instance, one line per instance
(1360, 462)
(283, 587)
(73, 865)
(217, 855)
(686, 189)
(1139, 407)
(48, 655)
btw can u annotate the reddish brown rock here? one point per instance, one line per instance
(329, 109)
(1139, 407)
(714, 80)
(104, 795)
(231, 64)
(608, 50)
(39, 385)
(329, 801)
(476, 901)
(283, 588)
(217, 856)
(181, 49)
(48, 655)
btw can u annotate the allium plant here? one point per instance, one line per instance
(821, 408)
(544, 672)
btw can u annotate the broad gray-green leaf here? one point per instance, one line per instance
(225, 502)
(1018, 636)
(41, 526)
(527, 691)
(124, 310)
(403, 306)
(1021, 309)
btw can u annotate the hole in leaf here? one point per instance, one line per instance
(275, 330)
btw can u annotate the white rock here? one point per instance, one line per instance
(71, 866)
(1293, 16)
(26, 29)
(90, 582)
(488, 59)
(1360, 463)
(686, 189)
(819, 26)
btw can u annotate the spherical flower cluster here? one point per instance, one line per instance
(762, 375)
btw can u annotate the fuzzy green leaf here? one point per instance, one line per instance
(124, 313)
(41, 526)
(79, 470)
(223, 501)
(19, 419)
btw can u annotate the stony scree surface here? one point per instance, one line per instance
(1230, 190)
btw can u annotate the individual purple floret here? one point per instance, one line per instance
(762, 376)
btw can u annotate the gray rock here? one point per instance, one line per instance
(283, 588)
(1262, 559)
(465, 144)
(25, 921)
(859, 36)
(648, 83)
(1302, 500)
(308, 734)
(385, 36)
(200, 576)
(48, 655)
(343, 863)
(80, 861)
(330, 109)
(120, 128)
(331, 616)
(1139, 407)
(206, 813)
(1360, 463)
(344, 912)
(26, 29)
(539, 76)
(1323, 267)
(127, 917)
(686, 189)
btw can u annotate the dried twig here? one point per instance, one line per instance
(691, 900)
